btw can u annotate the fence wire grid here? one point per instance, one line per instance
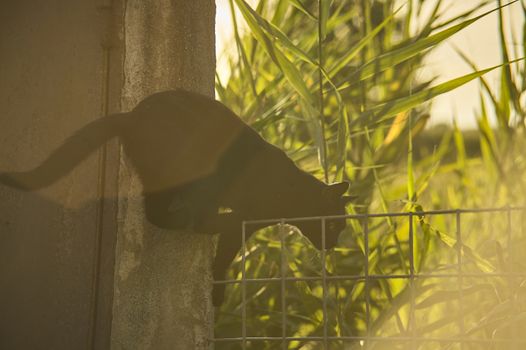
(466, 297)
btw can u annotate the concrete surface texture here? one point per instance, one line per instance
(162, 278)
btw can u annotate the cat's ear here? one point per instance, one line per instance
(335, 190)
(339, 189)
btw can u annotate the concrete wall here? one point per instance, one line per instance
(162, 278)
(54, 79)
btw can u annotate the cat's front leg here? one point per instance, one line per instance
(228, 226)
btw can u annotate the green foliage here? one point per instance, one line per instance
(334, 85)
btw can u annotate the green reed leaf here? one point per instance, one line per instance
(386, 110)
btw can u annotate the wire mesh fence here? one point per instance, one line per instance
(442, 279)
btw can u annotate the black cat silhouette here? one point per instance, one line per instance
(203, 169)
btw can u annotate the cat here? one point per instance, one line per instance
(202, 168)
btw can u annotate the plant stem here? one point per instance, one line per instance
(321, 99)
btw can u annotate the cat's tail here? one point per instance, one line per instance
(75, 149)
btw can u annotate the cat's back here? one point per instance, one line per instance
(180, 132)
(186, 111)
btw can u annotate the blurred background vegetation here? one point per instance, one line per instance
(335, 85)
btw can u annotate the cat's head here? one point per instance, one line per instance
(310, 201)
(330, 201)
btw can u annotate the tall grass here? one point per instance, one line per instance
(334, 85)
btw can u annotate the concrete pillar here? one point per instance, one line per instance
(162, 278)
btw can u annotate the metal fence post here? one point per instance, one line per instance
(283, 276)
(367, 283)
(243, 287)
(412, 322)
(460, 278)
(324, 286)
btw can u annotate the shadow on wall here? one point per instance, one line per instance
(45, 286)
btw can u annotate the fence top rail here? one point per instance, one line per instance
(395, 338)
(383, 215)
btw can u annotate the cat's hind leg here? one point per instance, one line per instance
(160, 211)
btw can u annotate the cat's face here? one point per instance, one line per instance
(328, 203)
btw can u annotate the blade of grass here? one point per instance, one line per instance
(433, 16)
(324, 6)
(489, 145)
(241, 50)
(274, 32)
(344, 60)
(297, 4)
(508, 88)
(285, 65)
(411, 194)
(484, 82)
(280, 10)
